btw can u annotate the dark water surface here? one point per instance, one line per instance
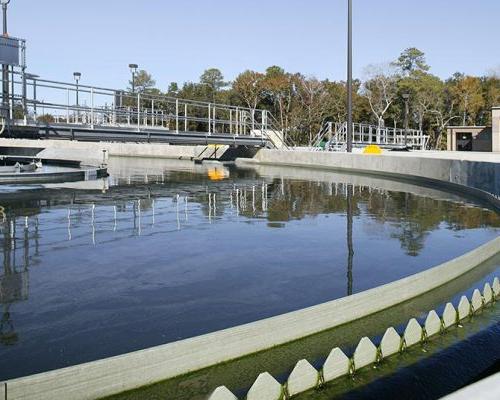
(162, 251)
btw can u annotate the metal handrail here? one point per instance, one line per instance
(113, 92)
(139, 110)
(364, 134)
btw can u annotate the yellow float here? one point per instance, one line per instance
(372, 149)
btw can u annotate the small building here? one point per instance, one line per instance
(475, 138)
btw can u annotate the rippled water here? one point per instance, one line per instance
(162, 251)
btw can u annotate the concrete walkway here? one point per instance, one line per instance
(486, 389)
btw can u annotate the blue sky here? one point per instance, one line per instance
(177, 40)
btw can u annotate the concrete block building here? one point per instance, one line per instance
(476, 138)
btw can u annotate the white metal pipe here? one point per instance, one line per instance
(209, 107)
(92, 108)
(138, 112)
(176, 115)
(67, 108)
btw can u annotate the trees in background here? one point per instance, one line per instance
(143, 81)
(302, 104)
(380, 88)
(468, 95)
(249, 87)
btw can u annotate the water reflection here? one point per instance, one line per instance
(14, 280)
(350, 248)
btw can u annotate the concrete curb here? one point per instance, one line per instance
(486, 389)
(367, 354)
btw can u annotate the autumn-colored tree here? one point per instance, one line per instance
(249, 87)
(491, 94)
(301, 105)
(311, 95)
(279, 89)
(468, 95)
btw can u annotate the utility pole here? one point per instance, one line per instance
(406, 97)
(133, 70)
(5, 67)
(349, 76)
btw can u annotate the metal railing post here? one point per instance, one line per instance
(153, 112)
(138, 112)
(213, 120)
(92, 108)
(209, 120)
(253, 121)
(25, 106)
(11, 93)
(176, 115)
(237, 121)
(34, 100)
(67, 106)
(185, 117)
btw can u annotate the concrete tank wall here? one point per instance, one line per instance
(472, 170)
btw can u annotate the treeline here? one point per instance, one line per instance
(302, 104)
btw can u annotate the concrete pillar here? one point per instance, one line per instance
(495, 129)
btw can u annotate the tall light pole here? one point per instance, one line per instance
(133, 70)
(349, 76)
(5, 67)
(406, 97)
(77, 76)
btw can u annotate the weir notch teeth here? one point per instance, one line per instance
(222, 393)
(265, 387)
(413, 333)
(463, 308)
(496, 287)
(487, 293)
(303, 377)
(391, 343)
(365, 353)
(432, 323)
(477, 300)
(449, 315)
(336, 365)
